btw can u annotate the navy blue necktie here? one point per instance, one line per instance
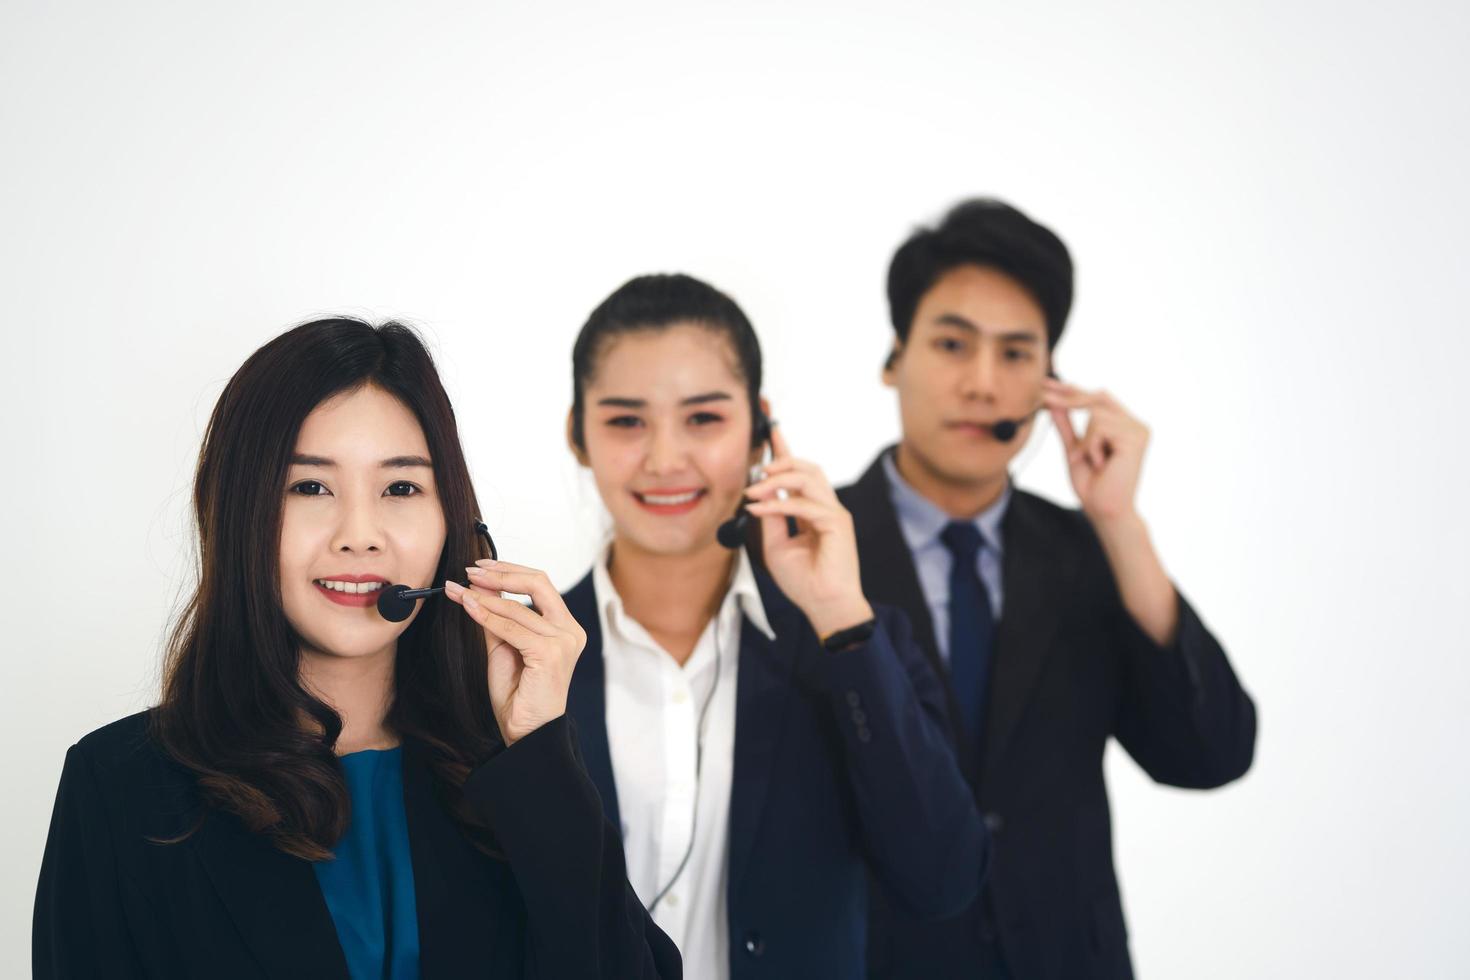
(971, 626)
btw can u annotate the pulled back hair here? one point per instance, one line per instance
(985, 232)
(234, 710)
(658, 302)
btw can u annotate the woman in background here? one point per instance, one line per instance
(766, 742)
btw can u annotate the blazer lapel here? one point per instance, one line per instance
(458, 899)
(889, 576)
(762, 690)
(1035, 571)
(273, 898)
(587, 698)
(887, 564)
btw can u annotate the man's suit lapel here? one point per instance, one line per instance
(1034, 571)
(888, 572)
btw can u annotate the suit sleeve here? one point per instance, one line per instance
(584, 920)
(79, 928)
(1184, 716)
(923, 834)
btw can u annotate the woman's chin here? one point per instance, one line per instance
(363, 644)
(667, 538)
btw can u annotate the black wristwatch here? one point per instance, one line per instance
(851, 637)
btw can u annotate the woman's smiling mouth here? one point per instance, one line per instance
(351, 590)
(676, 500)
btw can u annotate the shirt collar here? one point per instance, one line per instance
(743, 591)
(921, 520)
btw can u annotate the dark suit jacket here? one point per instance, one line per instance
(842, 765)
(1070, 670)
(225, 903)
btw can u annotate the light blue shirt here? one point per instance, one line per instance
(921, 522)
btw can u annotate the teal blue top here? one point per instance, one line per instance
(368, 885)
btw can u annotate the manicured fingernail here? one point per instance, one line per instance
(453, 589)
(474, 571)
(486, 563)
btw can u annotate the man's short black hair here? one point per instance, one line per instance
(985, 232)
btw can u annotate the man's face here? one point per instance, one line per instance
(976, 353)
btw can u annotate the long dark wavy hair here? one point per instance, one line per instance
(234, 710)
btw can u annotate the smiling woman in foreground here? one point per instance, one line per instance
(322, 792)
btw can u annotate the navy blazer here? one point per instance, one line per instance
(1071, 669)
(842, 768)
(224, 903)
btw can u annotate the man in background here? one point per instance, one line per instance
(1055, 629)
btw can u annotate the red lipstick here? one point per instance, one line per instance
(356, 600)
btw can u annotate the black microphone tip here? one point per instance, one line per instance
(1005, 430)
(392, 606)
(732, 533)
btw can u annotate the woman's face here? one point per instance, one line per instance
(667, 432)
(361, 512)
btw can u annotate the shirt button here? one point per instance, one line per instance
(754, 944)
(680, 697)
(853, 700)
(994, 823)
(859, 717)
(864, 735)
(672, 901)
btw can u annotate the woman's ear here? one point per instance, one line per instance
(577, 450)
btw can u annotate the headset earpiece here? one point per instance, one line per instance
(760, 428)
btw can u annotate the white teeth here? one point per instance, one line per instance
(350, 588)
(668, 500)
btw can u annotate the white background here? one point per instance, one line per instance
(1267, 203)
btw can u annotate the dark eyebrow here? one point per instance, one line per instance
(1010, 337)
(393, 462)
(399, 462)
(709, 396)
(955, 320)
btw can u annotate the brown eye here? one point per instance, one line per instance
(309, 488)
(402, 489)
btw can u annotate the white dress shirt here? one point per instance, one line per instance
(653, 714)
